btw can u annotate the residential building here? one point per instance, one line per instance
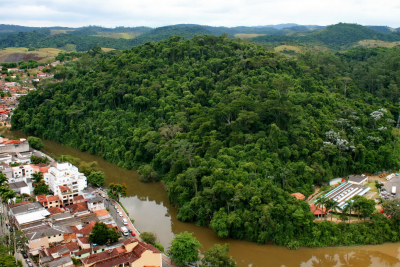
(96, 203)
(21, 157)
(131, 253)
(20, 187)
(6, 170)
(49, 201)
(21, 173)
(5, 158)
(13, 145)
(66, 181)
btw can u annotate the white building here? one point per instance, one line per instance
(21, 173)
(96, 203)
(66, 181)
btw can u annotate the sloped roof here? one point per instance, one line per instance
(55, 210)
(72, 246)
(317, 210)
(299, 195)
(102, 212)
(87, 229)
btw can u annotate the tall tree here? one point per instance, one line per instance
(217, 256)
(184, 249)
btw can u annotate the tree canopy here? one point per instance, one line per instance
(231, 129)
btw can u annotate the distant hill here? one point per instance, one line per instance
(337, 36)
(382, 29)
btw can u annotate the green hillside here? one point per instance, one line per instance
(337, 36)
(232, 130)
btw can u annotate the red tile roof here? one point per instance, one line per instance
(74, 208)
(298, 195)
(102, 212)
(64, 188)
(84, 240)
(72, 246)
(87, 229)
(317, 210)
(41, 198)
(79, 198)
(53, 198)
(108, 254)
(55, 210)
(9, 142)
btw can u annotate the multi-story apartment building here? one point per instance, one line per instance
(66, 181)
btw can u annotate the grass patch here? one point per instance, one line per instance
(373, 186)
(105, 49)
(283, 48)
(117, 35)
(247, 35)
(377, 43)
(68, 47)
(16, 54)
(123, 208)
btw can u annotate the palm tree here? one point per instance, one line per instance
(37, 177)
(349, 207)
(3, 179)
(320, 202)
(332, 205)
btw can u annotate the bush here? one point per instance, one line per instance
(149, 237)
(159, 246)
(147, 174)
(35, 142)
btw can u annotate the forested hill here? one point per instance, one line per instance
(232, 129)
(337, 36)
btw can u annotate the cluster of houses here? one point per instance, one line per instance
(57, 225)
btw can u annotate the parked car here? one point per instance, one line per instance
(11, 229)
(24, 254)
(383, 190)
(125, 221)
(120, 214)
(28, 261)
(133, 234)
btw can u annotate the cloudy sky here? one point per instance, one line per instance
(155, 13)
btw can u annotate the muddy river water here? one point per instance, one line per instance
(148, 205)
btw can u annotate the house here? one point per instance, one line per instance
(78, 209)
(20, 187)
(358, 179)
(62, 250)
(131, 253)
(42, 236)
(318, 211)
(79, 199)
(49, 201)
(6, 170)
(88, 193)
(21, 173)
(22, 157)
(298, 195)
(12, 70)
(13, 145)
(96, 203)
(61, 262)
(5, 158)
(66, 181)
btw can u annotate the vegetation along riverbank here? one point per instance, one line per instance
(232, 129)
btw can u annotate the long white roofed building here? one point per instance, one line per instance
(344, 192)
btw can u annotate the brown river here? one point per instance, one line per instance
(148, 205)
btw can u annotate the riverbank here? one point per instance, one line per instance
(148, 204)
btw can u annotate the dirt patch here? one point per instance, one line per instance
(17, 57)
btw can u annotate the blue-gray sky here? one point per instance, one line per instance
(155, 13)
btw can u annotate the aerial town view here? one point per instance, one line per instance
(199, 134)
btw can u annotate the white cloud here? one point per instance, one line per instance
(155, 13)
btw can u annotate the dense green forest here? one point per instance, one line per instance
(231, 128)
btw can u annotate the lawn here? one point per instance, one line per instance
(247, 35)
(16, 54)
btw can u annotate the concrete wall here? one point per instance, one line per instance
(20, 147)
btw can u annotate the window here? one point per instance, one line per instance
(59, 235)
(48, 237)
(50, 203)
